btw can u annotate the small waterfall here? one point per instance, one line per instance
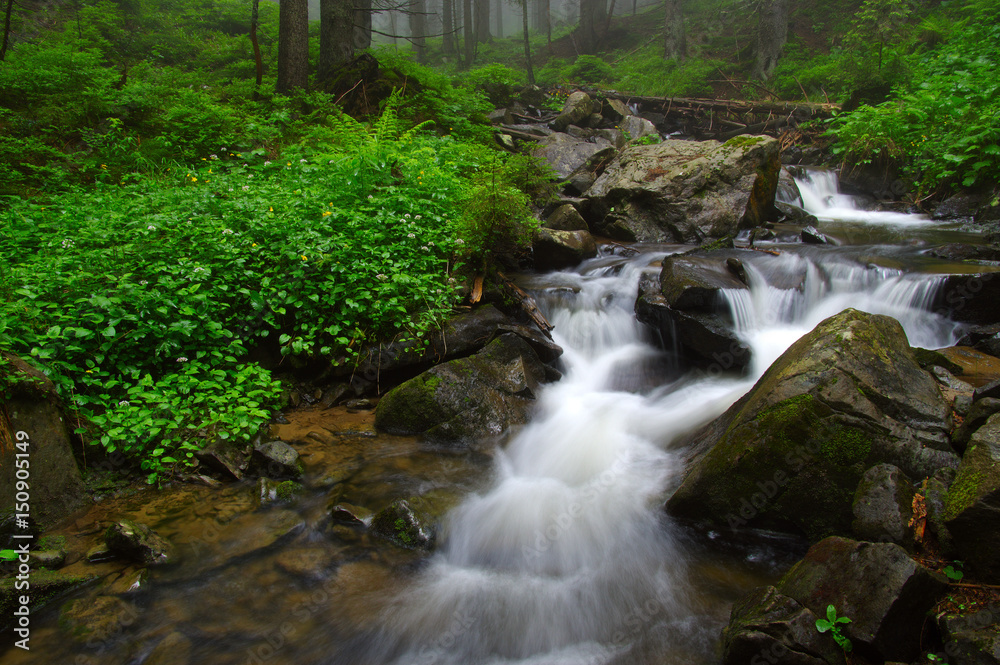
(770, 318)
(821, 196)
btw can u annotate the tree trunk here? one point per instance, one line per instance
(469, 33)
(258, 64)
(772, 32)
(593, 14)
(673, 32)
(418, 28)
(499, 19)
(293, 45)
(336, 36)
(447, 25)
(527, 43)
(362, 24)
(483, 21)
(6, 28)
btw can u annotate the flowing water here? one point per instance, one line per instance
(554, 548)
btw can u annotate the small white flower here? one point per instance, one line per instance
(267, 162)
(67, 243)
(411, 235)
(417, 217)
(150, 227)
(124, 402)
(459, 241)
(143, 282)
(302, 161)
(246, 188)
(227, 232)
(371, 196)
(230, 189)
(182, 359)
(381, 277)
(407, 215)
(213, 156)
(425, 248)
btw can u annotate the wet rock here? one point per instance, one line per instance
(613, 136)
(990, 390)
(311, 561)
(576, 109)
(685, 191)
(883, 506)
(46, 585)
(884, 592)
(972, 506)
(978, 367)
(276, 459)
(928, 358)
(693, 283)
(133, 540)
(789, 455)
(958, 251)
(532, 95)
(346, 513)
(935, 496)
(34, 409)
(95, 620)
(768, 627)
(948, 380)
(636, 128)
(972, 639)
(400, 525)
(812, 236)
(970, 298)
(468, 399)
(272, 491)
(100, 553)
(554, 250)
(978, 414)
(174, 649)
(615, 110)
(793, 214)
(961, 205)
(224, 457)
(547, 350)
(51, 559)
(358, 405)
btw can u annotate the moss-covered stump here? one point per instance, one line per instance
(972, 505)
(468, 399)
(685, 191)
(790, 454)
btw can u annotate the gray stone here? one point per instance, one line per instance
(576, 109)
(692, 283)
(972, 639)
(685, 191)
(812, 236)
(347, 513)
(636, 128)
(768, 627)
(400, 525)
(174, 649)
(883, 506)
(789, 455)
(554, 250)
(95, 620)
(566, 154)
(37, 426)
(137, 542)
(276, 459)
(979, 412)
(884, 592)
(565, 218)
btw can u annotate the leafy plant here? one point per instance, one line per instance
(953, 572)
(833, 625)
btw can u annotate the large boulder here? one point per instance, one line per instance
(972, 505)
(468, 399)
(576, 110)
(685, 191)
(554, 250)
(766, 626)
(789, 455)
(566, 154)
(35, 425)
(694, 282)
(970, 298)
(884, 593)
(883, 506)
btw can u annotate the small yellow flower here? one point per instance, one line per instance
(194, 180)
(270, 209)
(204, 159)
(288, 164)
(254, 245)
(304, 257)
(104, 166)
(327, 213)
(210, 170)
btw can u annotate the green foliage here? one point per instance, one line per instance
(943, 127)
(498, 82)
(646, 72)
(589, 69)
(953, 572)
(832, 624)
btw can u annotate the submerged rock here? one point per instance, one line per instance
(95, 620)
(685, 191)
(46, 585)
(277, 459)
(468, 399)
(789, 455)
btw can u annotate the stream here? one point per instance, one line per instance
(553, 548)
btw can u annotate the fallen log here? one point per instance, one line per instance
(679, 104)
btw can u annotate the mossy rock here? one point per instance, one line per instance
(46, 585)
(790, 454)
(137, 542)
(95, 620)
(972, 504)
(402, 526)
